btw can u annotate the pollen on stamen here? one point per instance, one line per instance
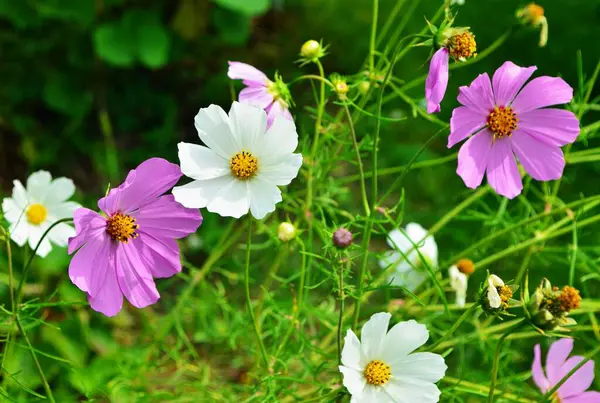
(505, 294)
(243, 165)
(569, 299)
(502, 121)
(462, 46)
(377, 373)
(122, 227)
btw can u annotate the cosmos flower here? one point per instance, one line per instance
(32, 211)
(558, 365)
(383, 368)
(121, 252)
(504, 118)
(459, 279)
(406, 274)
(242, 165)
(272, 96)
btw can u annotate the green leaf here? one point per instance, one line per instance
(114, 44)
(82, 11)
(248, 7)
(233, 28)
(153, 41)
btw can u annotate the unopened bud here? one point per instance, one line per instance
(342, 238)
(340, 86)
(311, 49)
(286, 232)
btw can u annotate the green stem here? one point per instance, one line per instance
(363, 188)
(263, 351)
(372, 47)
(461, 319)
(341, 296)
(497, 360)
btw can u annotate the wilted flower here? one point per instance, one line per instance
(286, 231)
(410, 275)
(382, 365)
(558, 365)
(272, 96)
(459, 277)
(120, 253)
(496, 296)
(32, 211)
(533, 14)
(550, 306)
(342, 238)
(505, 121)
(242, 166)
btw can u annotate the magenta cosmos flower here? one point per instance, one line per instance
(506, 121)
(120, 253)
(272, 96)
(558, 365)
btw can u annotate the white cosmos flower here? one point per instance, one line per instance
(494, 298)
(459, 283)
(403, 273)
(242, 163)
(382, 368)
(32, 211)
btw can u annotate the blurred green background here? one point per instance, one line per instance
(89, 89)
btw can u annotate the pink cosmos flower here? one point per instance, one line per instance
(558, 365)
(505, 120)
(437, 80)
(272, 96)
(120, 253)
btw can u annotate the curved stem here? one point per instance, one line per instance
(497, 359)
(311, 77)
(451, 331)
(363, 188)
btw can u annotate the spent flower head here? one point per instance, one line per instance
(549, 306)
(533, 15)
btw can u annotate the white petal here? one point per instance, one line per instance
(398, 240)
(430, 250)
(406, 392)
(354, 380)
(19, 232)
(403, 339)
(410, 279)
(212, 124)
(19, 194)
(278, 142)
(374, 394)
(199, 162)
(38, 186)
(35, 234)
(373, 334)
(423, 367)
(458, 279)
(61, 189)
(284, 172)
(263, 197)
(60, 234)
(494, 298)
(495, 281)
(12, 211)
(248, 124)
(231, 201)
(62, 210)
(198, 194)
(415, 232)
(352, 353)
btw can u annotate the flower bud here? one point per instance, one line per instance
(286, 231)
(342, 238)
(533, 15)
(550, 306)
(311, 49)
(340, 86)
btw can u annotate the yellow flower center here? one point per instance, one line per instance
(36, 214)
(462, 46)
(505, 294)
(377, 373)
(243, 165)
(569, 299)
(502, 121)
(122, 227)
(534, 12)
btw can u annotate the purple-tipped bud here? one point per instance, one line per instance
(342, 238)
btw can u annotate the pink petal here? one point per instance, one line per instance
(557, 127)
(166, 218)
(88, 224)
(580, 381)
(135, 279)
(464, 122)
(149, 180)
(478, 95)
(109, 299)
(473, 157)
(557, 355)
(538, 372)
(502, 171)
(250, 74)
(541, 92)
(437, 80)
(277, 109)
(161, 255)
(257, 96)
(540, 160)
(508, 80)
(586, 397)
(88, 267)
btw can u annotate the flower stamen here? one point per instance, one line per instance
(122, 227)
(462, 46)
(569, 299)
(36, 214)
(243, 165)
(505, 294)
(502, 121)
(377, 373)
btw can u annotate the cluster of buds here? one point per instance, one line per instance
(533, 15)
(549, 307)
(495, 296)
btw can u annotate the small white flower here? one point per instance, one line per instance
(32, 211)
(243, 163)
(459, 283)
(404, 274)
(381, 369)
(493, 296)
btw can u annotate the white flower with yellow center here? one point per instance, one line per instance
(408, 267)
(32, 211)
(242, 164)
(497, 293)
(382, 368)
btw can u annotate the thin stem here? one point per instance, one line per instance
(372, 47)
(363, 188)
(263, 351)
(11, 285)
(311, 77)
(550, 394)
(454, 382)
(497, 360)
(341, 296)
(461, 319)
